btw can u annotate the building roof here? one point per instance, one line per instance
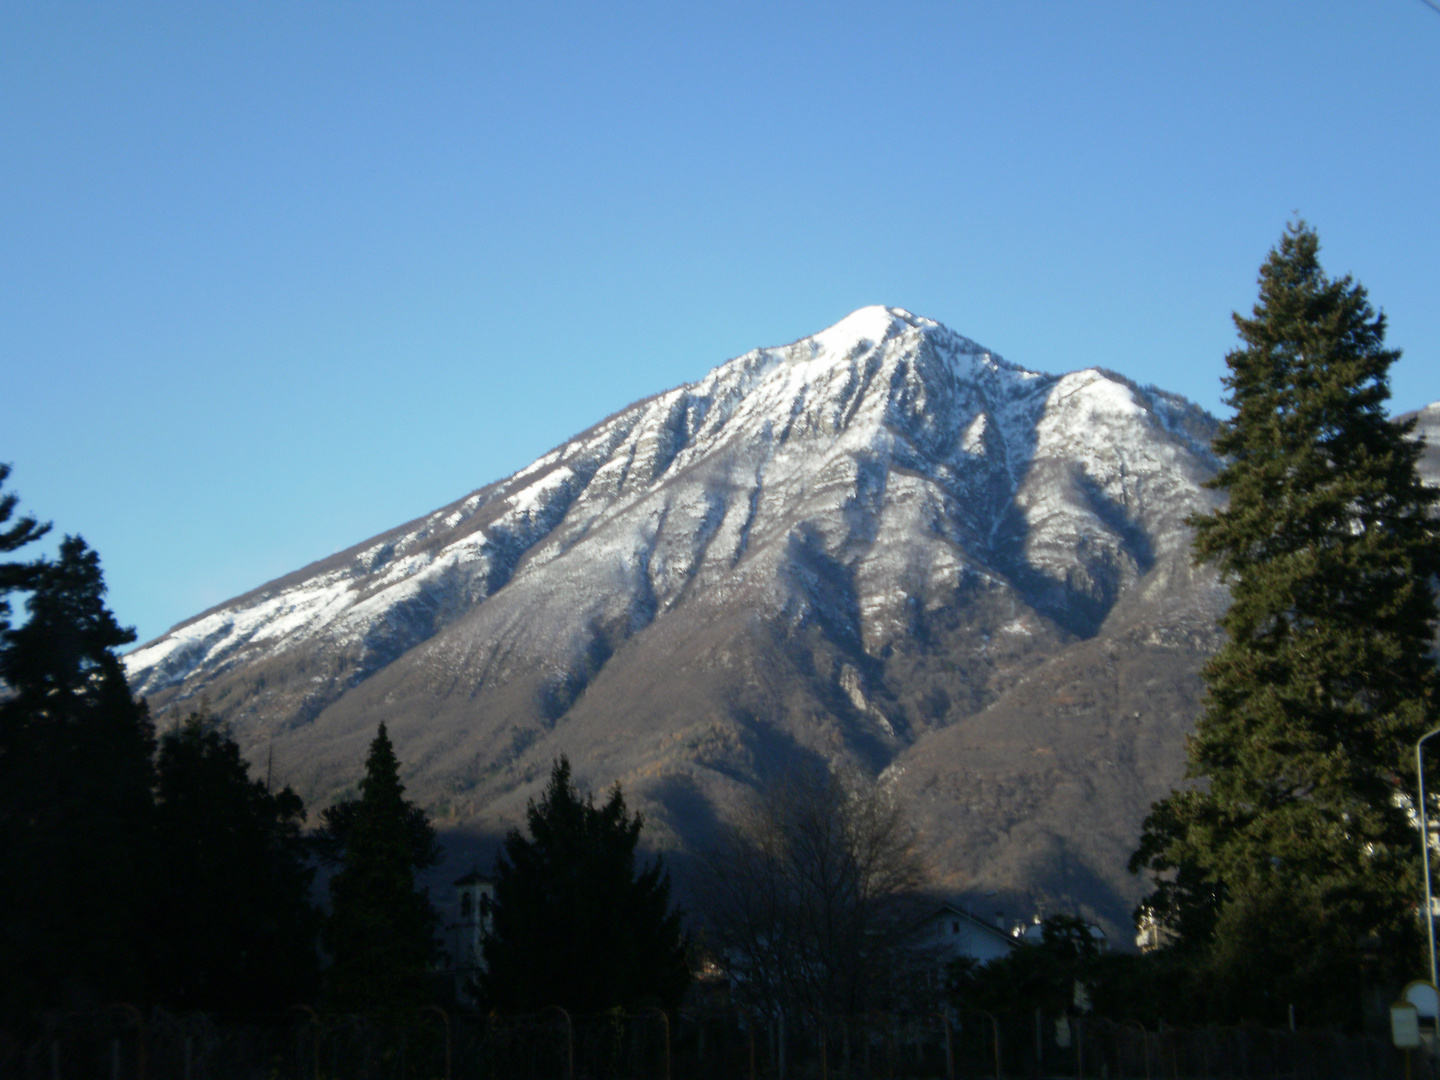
(948, 910)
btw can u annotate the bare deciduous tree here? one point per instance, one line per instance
(810, 895)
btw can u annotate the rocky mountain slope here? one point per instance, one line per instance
(1427, 427)
(882, 546)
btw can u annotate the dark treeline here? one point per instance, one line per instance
(1286, 878)
(1287, 881)
(157, 871)
(77, 799)
(1289, 873)
(576, 922)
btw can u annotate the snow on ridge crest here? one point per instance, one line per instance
(881, 382)
(873, 324)
(876, 325)
(830, 380)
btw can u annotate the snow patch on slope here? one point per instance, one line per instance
(899, 443)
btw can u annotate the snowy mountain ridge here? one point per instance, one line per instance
(880, 384)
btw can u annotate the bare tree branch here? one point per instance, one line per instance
(810, 895)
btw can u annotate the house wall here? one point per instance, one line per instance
(953, 934)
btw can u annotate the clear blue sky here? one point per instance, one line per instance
(275, 277)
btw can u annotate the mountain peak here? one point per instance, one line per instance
(876, 324)
(866, 325)
(877, 374)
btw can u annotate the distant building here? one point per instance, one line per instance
(1152, 934)
(950, 932)
(475, 906)
(1035, 934)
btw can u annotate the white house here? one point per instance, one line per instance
(950, 932)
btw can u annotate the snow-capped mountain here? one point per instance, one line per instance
(882, 545)
(1427, 429)
(885, 431)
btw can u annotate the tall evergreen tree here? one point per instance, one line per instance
(26, 530)
(234, 929)
(575, 924)
(380, 932)
(1295, 859)
(75, 797)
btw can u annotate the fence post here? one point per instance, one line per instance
(995, 1027)
(820, 1035)
(569, 1042)
(665, 1022)
(315, 1049)
(139, 1020)
(1144, 1045)
(949, 1052)
(445, 1020)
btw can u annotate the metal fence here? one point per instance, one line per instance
(120, 1043)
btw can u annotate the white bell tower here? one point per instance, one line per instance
(476, 898)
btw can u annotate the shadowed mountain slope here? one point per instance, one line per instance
(882, 545)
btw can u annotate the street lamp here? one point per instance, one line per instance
(1425, 848)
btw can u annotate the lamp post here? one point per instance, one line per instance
(1425, 847)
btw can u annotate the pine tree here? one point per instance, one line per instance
(75, 797)
(26, 530)
(1295, 859)
(234, 929)
(380, 932)
(575, 924)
